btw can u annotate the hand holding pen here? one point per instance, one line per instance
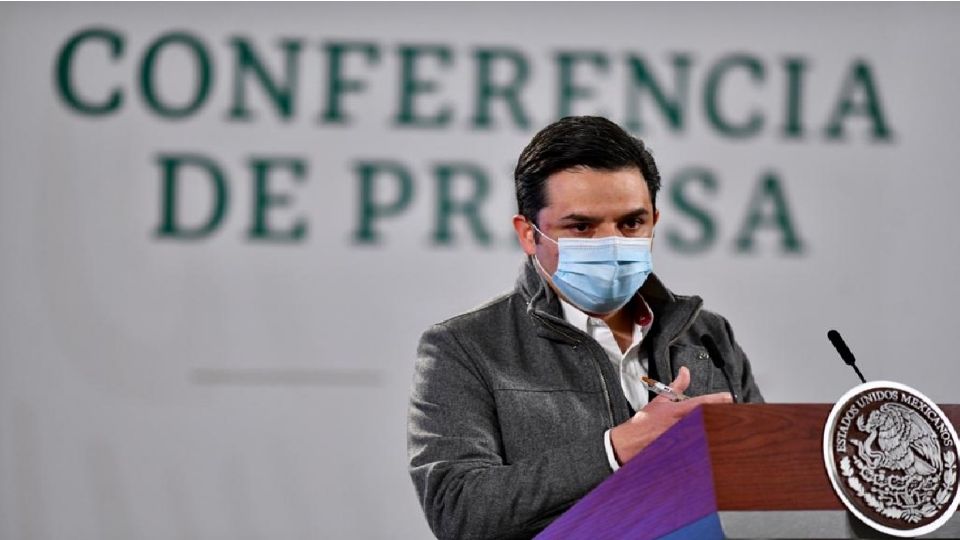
(656, 417)
(661, 389)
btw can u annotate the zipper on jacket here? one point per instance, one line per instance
(606, 393)
(675, 338)
(596, 362)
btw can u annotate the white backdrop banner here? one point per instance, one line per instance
(223, 227)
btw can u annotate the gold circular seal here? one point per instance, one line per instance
(891, 455)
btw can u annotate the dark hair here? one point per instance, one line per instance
(578, 141)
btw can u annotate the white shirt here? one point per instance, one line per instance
(629, 365)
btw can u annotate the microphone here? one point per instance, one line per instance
(718, 362)
(844, 352)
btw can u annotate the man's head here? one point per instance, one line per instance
(583, 177)
(588, 142)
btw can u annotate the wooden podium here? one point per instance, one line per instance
(720, 458)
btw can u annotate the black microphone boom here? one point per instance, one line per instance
(844, 352)
(719, 363)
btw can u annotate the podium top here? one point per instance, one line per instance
(770, 457)
(735, 457)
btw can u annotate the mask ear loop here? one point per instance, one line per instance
(543, 234)
(535, 258)
(543, 272)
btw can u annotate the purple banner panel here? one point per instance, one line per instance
(666, 487)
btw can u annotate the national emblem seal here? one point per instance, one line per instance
(891, 455)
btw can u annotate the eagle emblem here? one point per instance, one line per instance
(893, 459)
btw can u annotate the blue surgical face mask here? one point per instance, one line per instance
(600, 275)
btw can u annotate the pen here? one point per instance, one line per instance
(658, 387)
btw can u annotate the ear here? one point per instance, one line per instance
(656, 217)
(525, 234)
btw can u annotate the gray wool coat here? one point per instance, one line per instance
(510, 403)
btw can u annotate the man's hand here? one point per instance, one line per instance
(654, 419)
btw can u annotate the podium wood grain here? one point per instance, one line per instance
(769, 457)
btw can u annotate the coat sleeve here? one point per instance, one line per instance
(455, 451)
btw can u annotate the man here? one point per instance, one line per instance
(522, 406)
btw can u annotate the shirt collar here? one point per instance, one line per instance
(580, 320)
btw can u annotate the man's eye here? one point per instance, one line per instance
(580, 227)
(632, 224)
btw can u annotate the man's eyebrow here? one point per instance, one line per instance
(640, 212)
(580, 218)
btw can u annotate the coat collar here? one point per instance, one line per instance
(671, 311)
